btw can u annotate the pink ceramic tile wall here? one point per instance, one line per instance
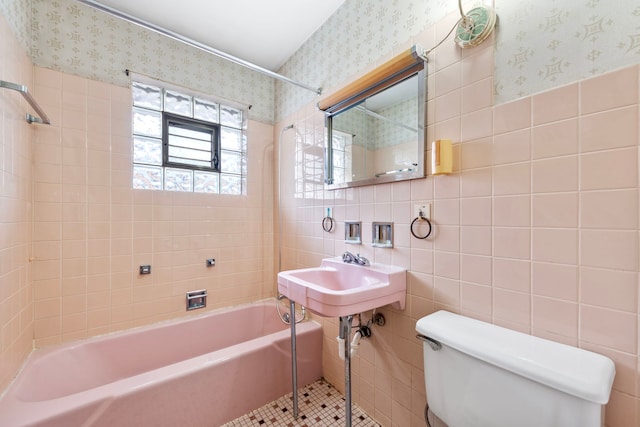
(92, 231)
(537, 229)
(16, 308)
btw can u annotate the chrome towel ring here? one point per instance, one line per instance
(421, 217)
(327, 224)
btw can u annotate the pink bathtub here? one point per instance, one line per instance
(201, 371)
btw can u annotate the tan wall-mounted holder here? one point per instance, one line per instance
(441, 157)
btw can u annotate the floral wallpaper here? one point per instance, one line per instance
(18, 15)
(540, 44)
(358, 34)
(388, 135)
(77, 39)
(544, 44)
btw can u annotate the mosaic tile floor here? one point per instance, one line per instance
(319, 404)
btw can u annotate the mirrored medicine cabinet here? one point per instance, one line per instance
(376, 125)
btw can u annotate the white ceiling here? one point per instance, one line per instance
(264, 32)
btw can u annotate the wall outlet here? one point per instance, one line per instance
(424, 208)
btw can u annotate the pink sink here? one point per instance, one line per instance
(337, 288)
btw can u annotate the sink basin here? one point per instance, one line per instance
(337, 288)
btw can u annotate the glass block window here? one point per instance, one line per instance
(183, 142)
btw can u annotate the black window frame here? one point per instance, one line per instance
(192, 124)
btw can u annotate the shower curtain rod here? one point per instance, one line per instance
(183, 39)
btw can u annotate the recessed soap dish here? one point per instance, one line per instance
(382, 234)
(196, 299)
(353, 232)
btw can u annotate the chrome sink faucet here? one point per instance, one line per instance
(350, 258)
(362, 260)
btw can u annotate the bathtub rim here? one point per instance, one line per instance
(41, 352)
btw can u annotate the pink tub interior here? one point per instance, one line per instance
(204, 370)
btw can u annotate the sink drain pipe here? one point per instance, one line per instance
(345, 334)
(347, 349)
(294, 357)
(355, 343)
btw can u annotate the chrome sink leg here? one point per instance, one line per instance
(294, 358)
(345, 333)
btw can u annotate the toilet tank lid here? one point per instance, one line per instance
(575, 371)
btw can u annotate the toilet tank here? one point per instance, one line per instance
(484, 375)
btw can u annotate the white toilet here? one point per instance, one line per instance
(481, 375)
